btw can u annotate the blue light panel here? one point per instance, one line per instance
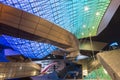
(2, 56)
(11, 52)
(30, 49)
(3, 42)
(114, 44)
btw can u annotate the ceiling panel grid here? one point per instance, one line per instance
(30, 49)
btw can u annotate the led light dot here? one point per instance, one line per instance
(97, 13)
(93, 27)
(84, 26)
(86, 8)
(82, 33)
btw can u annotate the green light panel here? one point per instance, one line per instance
(99, 74)
(80, 17)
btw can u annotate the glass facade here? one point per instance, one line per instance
(28, 48)
(80, 17)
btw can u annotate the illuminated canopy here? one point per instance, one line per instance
(80, 17)
(30, 49)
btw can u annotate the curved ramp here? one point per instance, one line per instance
(32, 27)
(16, 70)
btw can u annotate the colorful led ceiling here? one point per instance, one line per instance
(30, 49)
(80, 17)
